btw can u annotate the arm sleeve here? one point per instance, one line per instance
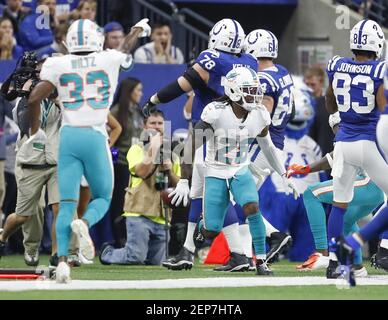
(208, 60)
(271, 154)
(268, 85)
(330, 69)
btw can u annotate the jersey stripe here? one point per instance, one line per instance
(273, 39)
(381, 72)
(333, 62)
(80, 32)
(360, 31)
(269, 78)
(377, 69)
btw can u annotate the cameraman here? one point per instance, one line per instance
(143, 208)
(36, 162)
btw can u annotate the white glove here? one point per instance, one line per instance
(143, 23)
(259, 173)
(287, 184)
(39, 136)
(334, 119)
(180, 193)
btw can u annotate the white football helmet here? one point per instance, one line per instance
(261, 44)
(367, 35)
(84, 36)
(227, 35)
(243, 83)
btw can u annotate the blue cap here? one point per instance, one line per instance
(113, 26)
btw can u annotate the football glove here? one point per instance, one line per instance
(287, 184)
(143, 23)
(181, 192)
(295, 169)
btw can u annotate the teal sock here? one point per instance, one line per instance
(317, 219)
(62, 227)
(257, 230)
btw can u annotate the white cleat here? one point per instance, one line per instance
(62, 273)
(314, 262)
(361, 273)
(83, 259)
(86, 247)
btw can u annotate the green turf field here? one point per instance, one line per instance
(100, 272)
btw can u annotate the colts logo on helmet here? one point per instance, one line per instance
(215, 32)
(255, 39)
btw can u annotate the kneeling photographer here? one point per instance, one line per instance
(36, 160)
(153, 168)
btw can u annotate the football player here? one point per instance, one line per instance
(86, 80)
(229, 124)
(356, 90)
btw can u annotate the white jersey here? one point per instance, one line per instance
(86, 84)
(303, 151)
(227, 151)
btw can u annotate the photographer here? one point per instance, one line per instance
(143, 208)
(36, 161)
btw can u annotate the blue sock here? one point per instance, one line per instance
(336, 222)
(351, 241)
(257, 230)
(195, 210)
(378, 224)
(62, 227)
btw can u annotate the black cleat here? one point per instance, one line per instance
(53, 262)
(237, 263)
(105, 246)
(198, 237)
(262, 268)
(332, 271)
(183, 260)
(380, 259)
(279, 241)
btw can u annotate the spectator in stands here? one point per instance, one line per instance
(15, 11)
(8, 47)
(160, 50)
(126, 110)
(57, 46)
(114, 35)
(33, 36)
(146, 234)
(320, 131)
(87, 9)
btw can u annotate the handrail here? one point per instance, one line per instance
(197, 16)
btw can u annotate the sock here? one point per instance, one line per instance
(358, 252)
(378, 224)
(63, 229)
(257, 230)
(336, 222)
(332, 256)
(384, 243)
(354, 241)
(269, 228)
(189, 243)
(246, 239)
(195, 210)
(233, 238)
(317, 219)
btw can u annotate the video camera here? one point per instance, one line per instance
(26, 69)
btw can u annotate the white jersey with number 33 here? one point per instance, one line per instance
(227, 151)
(86, 84)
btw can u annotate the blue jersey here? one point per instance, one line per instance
(355, 85)
(386, 90)
(277, 83)
(218, 64)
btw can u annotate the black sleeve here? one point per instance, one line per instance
(193, 77)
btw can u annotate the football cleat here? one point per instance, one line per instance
(332, 270)
(345, 256)
(252, 265)
(315, 261)
(237, 263)
(360, 273)
(184, 260)
(86, 247)
(278, 241)
(380, 259)
(53, 262)
(73, 260)
(198, 237)
(31, 259)
(262, 268)
(62, 273)
(103, 251)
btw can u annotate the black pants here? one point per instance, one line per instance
(116, 208)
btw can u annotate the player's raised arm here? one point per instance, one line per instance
(139, 30)
(195, 77)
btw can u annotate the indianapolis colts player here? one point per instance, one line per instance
(86, 80)
(356, 90)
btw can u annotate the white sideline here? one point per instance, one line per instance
(22, 285)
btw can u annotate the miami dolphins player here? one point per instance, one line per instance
(86, 80)
(367, 198)
(278, 90)
(356, 90)
(204, 77)
(229, 124)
